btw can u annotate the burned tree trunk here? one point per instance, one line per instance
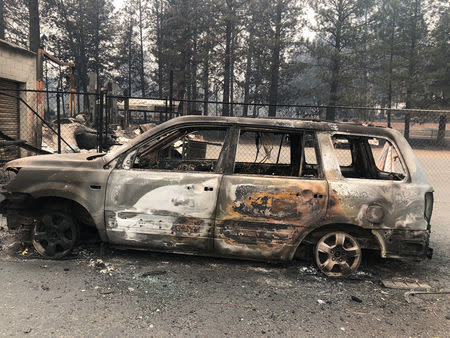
(159, 47)
(391, 71)
(141, 51)
(412, 66)
(441, 130)
(2, 20)
(34, 28)
(206, 83)
(130, 55)
(232, 76)
(335, 74)
(275, 65)
(248, 70)
(227, 65)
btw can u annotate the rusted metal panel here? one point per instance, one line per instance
(9, 117)
(162, 210)
(264, 217)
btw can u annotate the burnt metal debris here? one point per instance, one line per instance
(235, 187)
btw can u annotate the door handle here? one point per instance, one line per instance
(209, 188)
(318, 196)
(95, 187)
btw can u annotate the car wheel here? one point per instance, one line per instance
(54, 234)
(337, 254)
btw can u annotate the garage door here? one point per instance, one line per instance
(9, 119)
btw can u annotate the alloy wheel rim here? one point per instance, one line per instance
(338, 254)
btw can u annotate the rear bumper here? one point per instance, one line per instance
(405, 244)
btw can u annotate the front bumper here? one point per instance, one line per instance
(405, 244)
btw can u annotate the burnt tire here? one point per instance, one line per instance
(54, 233)
(337, 254)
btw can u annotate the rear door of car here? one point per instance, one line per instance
(275, 192)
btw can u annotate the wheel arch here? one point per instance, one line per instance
(76, 209)
(365, 237)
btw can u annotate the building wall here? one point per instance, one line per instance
(19, 65)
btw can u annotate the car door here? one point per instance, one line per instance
(162, 195)
(275, 193)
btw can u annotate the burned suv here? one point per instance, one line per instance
(235, 187)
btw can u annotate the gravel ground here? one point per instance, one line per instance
(134, 293)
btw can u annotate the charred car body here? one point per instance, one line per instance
(235, 187)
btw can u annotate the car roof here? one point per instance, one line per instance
(281, 123)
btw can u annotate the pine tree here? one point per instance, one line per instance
(15, 21)
(439, 70)
(2, 20)
(84, 33)
(338, 28)
(126, 63)
(284, 18)
(412, 43)
(385, 51)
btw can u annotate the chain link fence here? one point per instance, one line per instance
(40, 122)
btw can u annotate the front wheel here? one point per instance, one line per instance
(54, 234)
(337, 254)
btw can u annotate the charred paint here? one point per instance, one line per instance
(280, 204)
(267, 215)
(187, 227)
(255, 233)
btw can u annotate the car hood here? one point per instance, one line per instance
(59, 160)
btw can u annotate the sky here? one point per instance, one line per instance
(118, 3)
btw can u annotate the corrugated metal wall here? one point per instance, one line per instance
(9, 118)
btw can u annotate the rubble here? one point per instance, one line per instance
(404, 283)
(100, 265)
(50, 139)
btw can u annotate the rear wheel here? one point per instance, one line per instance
(337, 254)
(54, 234)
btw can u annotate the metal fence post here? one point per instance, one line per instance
(407, 123)
(107, 118)
(165, 111)
(58, 121)
(389, 118)
(78, 103)
(100, 122)
(126, 107)
(170, 94)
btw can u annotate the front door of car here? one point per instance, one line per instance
(275, 194)
(162, 195)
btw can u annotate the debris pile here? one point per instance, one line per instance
(80, 136)
(101, 266)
